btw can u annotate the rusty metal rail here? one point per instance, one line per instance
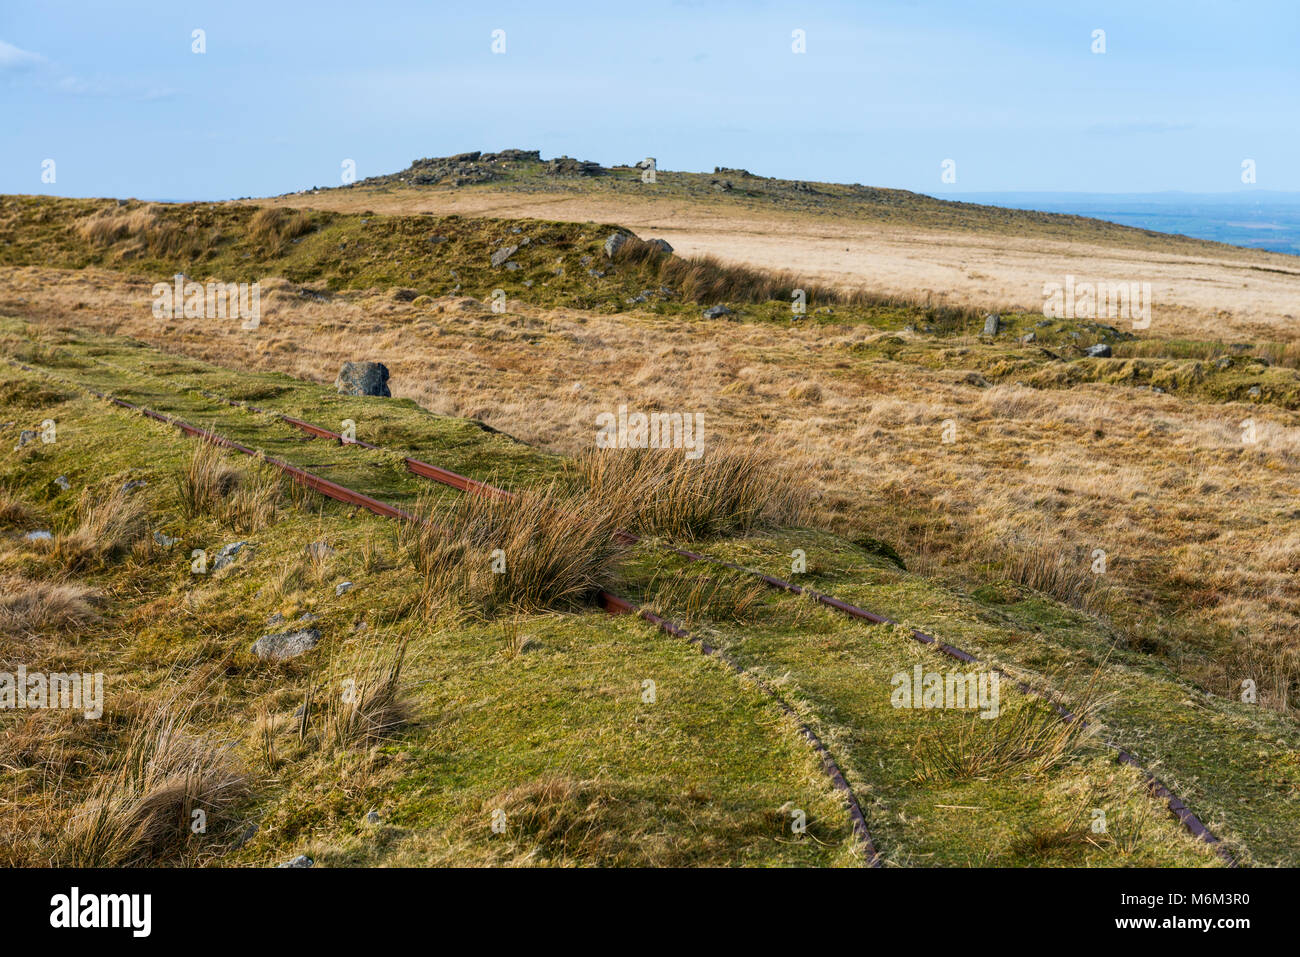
(610, 603)
(1185, 815)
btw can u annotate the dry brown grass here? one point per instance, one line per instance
(1195, 525)
(550, 549)
(143, 810)
(275, 226)
(14, 511)
(34, 607)
(361, 703)
(661, 492)
(110, 524)
(141, 230)
(243, 496)
(707, 279)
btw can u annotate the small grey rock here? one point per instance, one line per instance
(165, 540)
(342, 588)
(275, 619)
(614, 243)
(40, 535)
(992, 324)
(133, 486)
(1028, 337)
(1100, 351)
(717, 312)
(63, 483)
(286, 644)
(24, 437)
(363, 378)
(307, 616)
(1254, 392)
(228, 555)
(372, 817)
(502, 255)
(245, 836)
(302, 860)
(660, 244)
(512, 266)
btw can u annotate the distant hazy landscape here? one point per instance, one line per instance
(1258, 220)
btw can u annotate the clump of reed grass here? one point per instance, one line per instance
(661, 492)
(143, 810)
(542, 548)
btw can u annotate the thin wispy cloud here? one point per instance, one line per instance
(14, 58)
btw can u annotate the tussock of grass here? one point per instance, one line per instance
(110, 524)
(1027, 737)
(557, 549)
(660, 492)
(360, 705)
(33, 607)
(561, 817)
(1043, 566)
(689, 596)
(242, 496)
(13, 510)
(275, 225)
(142, 811)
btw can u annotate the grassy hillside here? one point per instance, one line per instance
(542, 714)
(734, 191)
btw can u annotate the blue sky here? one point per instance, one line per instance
(884, 94)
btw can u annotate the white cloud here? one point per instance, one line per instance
(12, 58)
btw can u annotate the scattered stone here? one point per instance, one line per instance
(1028, 337)
(342, 588)
(614, 243)
(307, 616)
(275, 619)
(318, 551)
(302, 860)
(1224, 362)
(228, 555)
(717, 312)
(1042, 322)
(595, 273)
(500, 257)
(363, 378)
(63, 483)
(24, 437)
(132, 486)
(512, 266)
(40, 535)
(165, 540)
(660, 244)
(567, 166)
(1254, 392)
(245, 836)
(372, 817)
(1100, 351)
(992, 323)
(360, 626)
(286, 644)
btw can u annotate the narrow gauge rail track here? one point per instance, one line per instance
(1189, 820)
(611, 603)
